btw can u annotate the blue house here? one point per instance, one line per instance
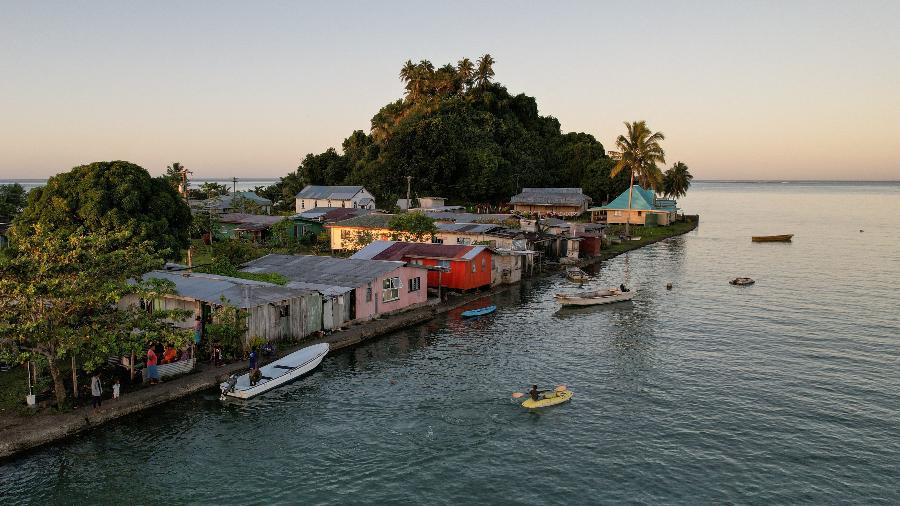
(645, 209)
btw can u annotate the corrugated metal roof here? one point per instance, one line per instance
(243, 293)
(551, 196)
(250, 220)
(372, 220)
(395, 250)
(641, 200)
(467, 217)
(466, 228)
(326, 271)
(329, 192)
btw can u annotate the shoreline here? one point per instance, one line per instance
(28, 433)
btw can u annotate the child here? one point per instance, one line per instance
(116, 388)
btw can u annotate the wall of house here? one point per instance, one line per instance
(461, 276)
(507, 269)
(367, 309)
(468, 239)
(340, 242)
(304, 318)
(637, 217)
(546, 210)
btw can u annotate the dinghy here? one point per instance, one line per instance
(607, 296)
(772, 238)
(742, 281)
(277, 373)
(478, 312)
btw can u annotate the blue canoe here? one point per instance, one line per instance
(478, 312)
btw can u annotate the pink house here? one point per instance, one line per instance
(352, 289)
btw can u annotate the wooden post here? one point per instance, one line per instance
(440, 275)
(74, 378)
(131, 369)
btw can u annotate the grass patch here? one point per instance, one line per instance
(268, 277)
(647, 234)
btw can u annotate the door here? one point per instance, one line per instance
(351, 300)
(328, 313)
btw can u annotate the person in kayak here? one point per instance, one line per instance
(622, 288)
(536, 394)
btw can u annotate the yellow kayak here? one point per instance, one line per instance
(557, 398)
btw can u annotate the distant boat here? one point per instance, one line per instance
(277, 373)
(772, 238)
(741, 281)
(594, 298)
(479, 312)
(577, 275)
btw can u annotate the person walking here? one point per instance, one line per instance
(116, 389)
(96, 391)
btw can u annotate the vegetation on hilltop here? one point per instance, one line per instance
(459, 135)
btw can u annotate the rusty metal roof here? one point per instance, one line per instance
(396, 250)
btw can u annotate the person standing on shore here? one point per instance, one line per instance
(96, 391)
(152, 372)
(116, 388)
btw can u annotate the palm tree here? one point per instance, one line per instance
(677, 180)
(407, 74)
(485, 70)
(465, 70)
(639, 152)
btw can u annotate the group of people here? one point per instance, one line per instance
(97, 390)
(157, 354)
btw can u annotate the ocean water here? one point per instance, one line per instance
(783, 392)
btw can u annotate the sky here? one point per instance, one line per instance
(742, 90)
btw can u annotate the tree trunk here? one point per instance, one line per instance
(628, 212)
(59, 388)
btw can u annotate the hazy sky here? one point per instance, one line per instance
(742, 90)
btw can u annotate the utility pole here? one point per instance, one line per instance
(190, 252)
(408, 187)
(234, 181)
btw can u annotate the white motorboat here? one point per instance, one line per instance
(276, 373)
(594, 298)
(577, 275)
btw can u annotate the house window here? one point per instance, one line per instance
(474, 267)
(284, 311)
(147, 305)
(369, 292)
(463, 240)
(346, 235)
(415, 284)
(415, 262)
(617, 213)
(302, 204)
(444, 264)
(437, 240)
(390, 289)
(483, 264)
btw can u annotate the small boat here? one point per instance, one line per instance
(741, 281)
(277, 373)
(479, 312)
(577, 275)
(772, 238)
(607, 296)
(548, 399)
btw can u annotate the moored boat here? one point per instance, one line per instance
(594, 298)
(772, 238)
(742, 281)
(276, 373)
(478, 312)
(577, 275)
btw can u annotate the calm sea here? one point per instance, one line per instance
(783, 392)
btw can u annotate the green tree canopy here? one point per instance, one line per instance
(12, 199)
(462, 136)
(412, 226)
(110, 197)
(677, 180)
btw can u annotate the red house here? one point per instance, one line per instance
(467, 267)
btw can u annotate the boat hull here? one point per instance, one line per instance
(287, 368)
(559, 398)
(593, 298)
(772, 238)
(479, 312)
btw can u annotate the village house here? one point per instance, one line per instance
(312, 222)
(352, 289)
(273, 312)
(551, 201)
(251, 227)
(237, 202)
(646, 209)
(466, 233)
(313, 196)
(461, 267)
(353, 233)
(510, 266)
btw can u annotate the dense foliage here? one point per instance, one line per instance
(110, 197)
(60, 295)
(461, 136)
(412, 227)
(12, 199)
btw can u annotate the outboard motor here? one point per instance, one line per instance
(228, 386)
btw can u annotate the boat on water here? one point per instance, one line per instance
(548, 399)
(479, 312)
(277, 373)
(577, 275)
(772, 238)
(594, 298)
(742, 281)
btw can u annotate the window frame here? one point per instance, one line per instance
(390, 289)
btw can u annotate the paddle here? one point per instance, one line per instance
(519, 395)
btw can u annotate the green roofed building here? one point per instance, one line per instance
(645, 209)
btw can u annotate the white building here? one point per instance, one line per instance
(334, 196)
